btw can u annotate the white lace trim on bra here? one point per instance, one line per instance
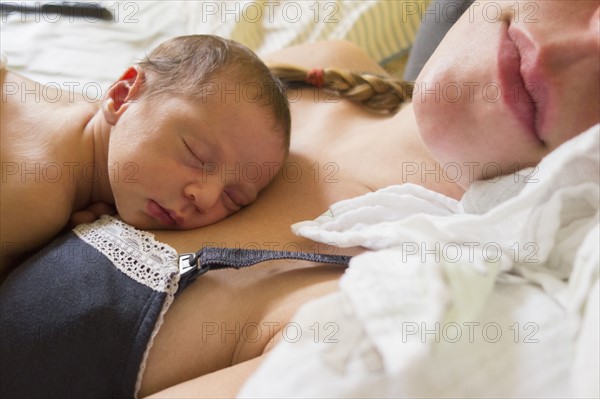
(135, 253)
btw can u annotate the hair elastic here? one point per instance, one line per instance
(316, 77)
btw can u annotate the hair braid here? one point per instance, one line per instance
(377, 93)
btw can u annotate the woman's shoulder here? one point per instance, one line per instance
(327, 54)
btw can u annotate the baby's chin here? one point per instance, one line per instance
(141, 221)
(147, 223)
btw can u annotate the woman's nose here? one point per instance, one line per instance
(575, 42)
(204, 195)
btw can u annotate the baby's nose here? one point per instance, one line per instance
(204, 195)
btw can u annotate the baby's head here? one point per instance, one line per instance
(199, 128)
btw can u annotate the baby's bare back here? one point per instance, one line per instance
(42, 164)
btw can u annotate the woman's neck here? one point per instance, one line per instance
(420, 167)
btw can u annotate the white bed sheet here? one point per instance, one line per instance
(84, 54)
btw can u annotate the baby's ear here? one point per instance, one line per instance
(122, 93)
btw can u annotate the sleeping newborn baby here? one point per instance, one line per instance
(183, 139)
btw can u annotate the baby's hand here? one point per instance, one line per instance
(91, 213)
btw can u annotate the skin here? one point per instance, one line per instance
(185, 361)
(175, 151)
(204, 160)
(335, 138)
(560, 66)
(326, 131)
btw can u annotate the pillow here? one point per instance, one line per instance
(436, 22)
(385, 29)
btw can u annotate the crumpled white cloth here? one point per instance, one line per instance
(495, 295)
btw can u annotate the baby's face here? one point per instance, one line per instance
(177, 163)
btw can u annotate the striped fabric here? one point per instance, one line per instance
(384, 28)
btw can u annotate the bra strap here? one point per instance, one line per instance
(192, 265)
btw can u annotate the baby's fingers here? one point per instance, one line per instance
(91, 213)
(80, 217)
(101, 208)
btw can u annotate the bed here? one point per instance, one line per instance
(70, 52)
(523, 321)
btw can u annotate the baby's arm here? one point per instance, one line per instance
(31, 218)
(32, 214)
(42, 160)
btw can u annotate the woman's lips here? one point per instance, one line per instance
(514, 91)
(160, 214)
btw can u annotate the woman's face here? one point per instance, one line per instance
(179, 163)
(509, 83)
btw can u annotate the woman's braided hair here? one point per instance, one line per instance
(382, 94)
